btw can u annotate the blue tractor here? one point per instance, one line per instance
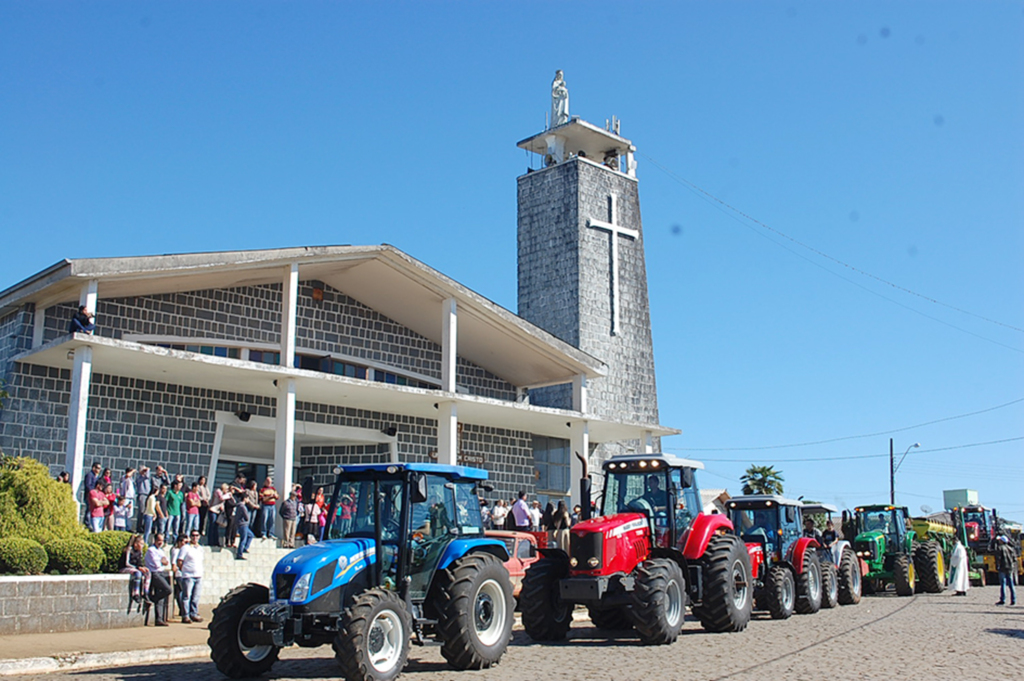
(403, 558)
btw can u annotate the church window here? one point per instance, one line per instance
(551, 461)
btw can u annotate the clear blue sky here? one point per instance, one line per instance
(889, 136)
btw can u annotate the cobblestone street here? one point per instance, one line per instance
(923, 637)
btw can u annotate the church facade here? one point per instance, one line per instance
(288, 362)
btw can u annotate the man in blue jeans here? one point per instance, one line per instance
(190, 574)
(245, 535)
(1006, 566)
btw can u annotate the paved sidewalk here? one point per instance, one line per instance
(40, 653)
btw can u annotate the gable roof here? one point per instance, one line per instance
(381, 277)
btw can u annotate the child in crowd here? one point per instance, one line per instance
(121, 512)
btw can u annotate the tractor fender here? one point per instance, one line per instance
(697, 537)
(800, 547)
(837, 550)
(460, 547)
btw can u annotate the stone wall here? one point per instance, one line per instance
(33, 605)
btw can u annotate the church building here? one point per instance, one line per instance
(287, 362)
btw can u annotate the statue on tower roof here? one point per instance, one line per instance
(559, 100)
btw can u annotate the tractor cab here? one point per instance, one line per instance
(770, 520)
(788, 574)
(978, 526)
(663, 488)
(880, 529)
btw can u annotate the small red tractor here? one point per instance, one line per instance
(636, 566)
(788, 574)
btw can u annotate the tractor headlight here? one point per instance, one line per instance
(301, 589)
(594, 561)
(573, 562)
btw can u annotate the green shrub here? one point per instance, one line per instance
(113, 545)
(34, 505)
(74, 556)
(22, 556)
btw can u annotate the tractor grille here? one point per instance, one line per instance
(283, 585)
(865, 549)
(585, 547)
(323, 578)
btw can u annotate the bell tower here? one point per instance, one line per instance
(582, 274)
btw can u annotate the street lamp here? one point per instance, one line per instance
(894, 468)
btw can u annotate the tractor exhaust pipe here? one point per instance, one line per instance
(584, 488)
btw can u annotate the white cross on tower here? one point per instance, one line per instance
(614, 231)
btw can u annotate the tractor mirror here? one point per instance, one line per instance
(686, 477)
(484, 486)
(417, 488)
(307, 490)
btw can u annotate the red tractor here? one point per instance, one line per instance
(788, 574)
(636, 566)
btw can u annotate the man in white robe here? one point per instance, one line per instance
(959, 580)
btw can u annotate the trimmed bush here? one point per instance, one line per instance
(113, 544)
(34, 505)
(74, 556)
(22, 556)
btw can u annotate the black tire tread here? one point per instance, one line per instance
(772, 594)
(829, 577)
(355, 622)
(544, 616)
(926, 561)
(901, 576)
(611, 619)
(717, 612)
(805, 605)
(454, 606)
(223, 637)
(650, 600)
(848, 593)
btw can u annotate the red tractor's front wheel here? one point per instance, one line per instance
(659, 601)
(808, 585)
(546, 617)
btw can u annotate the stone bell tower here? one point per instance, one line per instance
(582, 275)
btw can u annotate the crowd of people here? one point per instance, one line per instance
(518, 514)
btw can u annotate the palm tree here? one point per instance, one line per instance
(762, 480)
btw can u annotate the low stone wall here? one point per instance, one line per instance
(222, 573)
(33, 605)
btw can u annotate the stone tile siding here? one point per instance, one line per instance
(44, 604)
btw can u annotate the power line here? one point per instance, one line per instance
(822, 254)
(846, 437)
(874, 456)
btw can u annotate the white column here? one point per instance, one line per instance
(393, 450)
(78, 407)
(448, 433)
(89, 296)
(38, 327)
(289, 311)
(449, 343)
(284, 442)
(648, 442)
(218, 440)
(579, 393)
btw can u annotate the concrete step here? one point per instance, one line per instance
(222, 572)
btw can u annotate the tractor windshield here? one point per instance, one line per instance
(656, 495)
(759, 525)
(352, 508)
(876, 521)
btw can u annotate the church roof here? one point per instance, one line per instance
(381, 277)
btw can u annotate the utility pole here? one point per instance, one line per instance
(892, 476)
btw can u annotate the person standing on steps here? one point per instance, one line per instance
(159, 587)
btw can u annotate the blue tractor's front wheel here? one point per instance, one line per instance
(474, 603)
(373, 637)
(233, 647)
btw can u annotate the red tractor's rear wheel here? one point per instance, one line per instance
(829, 585)
(611, 619)
(727, 597)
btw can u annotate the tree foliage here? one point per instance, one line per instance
(34, 505)
(762, 480)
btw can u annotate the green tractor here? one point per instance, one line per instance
(910, 554)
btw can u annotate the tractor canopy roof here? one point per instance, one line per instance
(761, 501)
(818, 507)
(879, 508)
(650, 462)
(389, 469)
